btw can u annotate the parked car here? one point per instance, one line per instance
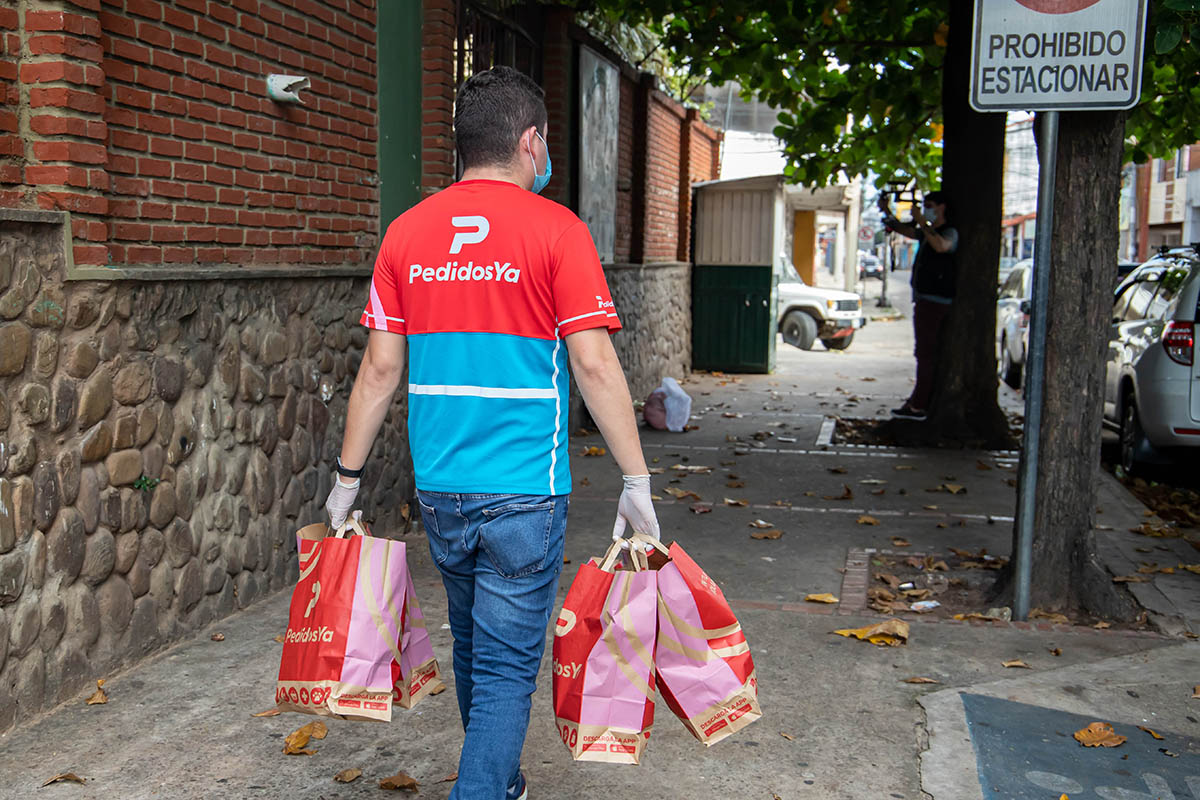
(1152, 378)
(808, 313)
(869, 266)
(1012, 323)
(1006, 266)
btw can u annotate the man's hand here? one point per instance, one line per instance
(882, 202)
(340, 501)
(918, 217)
(635, 508)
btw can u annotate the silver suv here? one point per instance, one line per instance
(1152, 381)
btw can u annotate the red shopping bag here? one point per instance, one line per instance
(342, 650)
(603, 662)
(705, 671)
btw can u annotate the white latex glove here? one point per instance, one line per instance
(635, 508)
(341, 499)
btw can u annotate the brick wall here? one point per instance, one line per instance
(438, 35)
(664, 137)
(150, 123)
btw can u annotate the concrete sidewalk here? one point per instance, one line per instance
(180, 725)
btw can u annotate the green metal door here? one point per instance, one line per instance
(733, 318)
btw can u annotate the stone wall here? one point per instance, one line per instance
(654, 302)
(159, 444)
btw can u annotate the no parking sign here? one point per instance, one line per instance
(1043, 55)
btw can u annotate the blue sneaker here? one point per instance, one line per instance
(519, 790)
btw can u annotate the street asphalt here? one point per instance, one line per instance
(839, 719)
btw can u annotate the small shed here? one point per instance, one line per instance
(740, 235)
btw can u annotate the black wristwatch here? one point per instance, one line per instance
(345, 472)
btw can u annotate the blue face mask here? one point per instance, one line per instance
(540, 181)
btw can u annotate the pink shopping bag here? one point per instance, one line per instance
(603, 662)
(419, 674)
(342, 650)
(705, 671)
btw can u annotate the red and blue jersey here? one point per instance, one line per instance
(486, 279)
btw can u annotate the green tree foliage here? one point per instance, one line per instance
(858, 82)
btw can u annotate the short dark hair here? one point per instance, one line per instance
(937, 198)
(493, 109)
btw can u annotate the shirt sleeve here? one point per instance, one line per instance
(581, 297)
(384, 311)
(951, 236)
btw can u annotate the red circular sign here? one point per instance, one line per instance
(1057, 6)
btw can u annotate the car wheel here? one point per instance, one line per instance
(799, 330)
(840, 343)
(1010, 371)
(1132, 436)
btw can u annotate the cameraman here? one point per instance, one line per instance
(933, 279)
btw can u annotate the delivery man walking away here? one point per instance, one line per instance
(487, 289)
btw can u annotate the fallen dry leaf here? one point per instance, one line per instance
(953, 488)
(760, 523)
(270, 712)
(400, 782)
(296, 741)
(771, 534)
(1102, 625)
(903, 467)
(1196, 692)
(441, 687)
(890, 579)
(920, 680)
(787, 736)
(65, 776)
(735, 485)
(1099, 734)
(1147, 730)
(348, 775)
(867, 519)
(889, 633)
(898, 542)
(1049, 616)
(278, 639)
(1193, 568)
(1130, 579)
(982, 466)
(736, 503)
(978, 616)
(451, 778)
(1016, 663)
(838, 470)
(701, 508)
(917, 594)
(681, 494)
(698, 469)
(879, 593)
(1055, 651)
(847, 493)
(218, 637)
(593, 451)
(99, 696)
(824, 597)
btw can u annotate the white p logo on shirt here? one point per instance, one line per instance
(479, 230)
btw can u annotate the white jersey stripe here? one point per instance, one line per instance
(584, 316)
(482, 391)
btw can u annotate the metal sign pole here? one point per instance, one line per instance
(1035, 374)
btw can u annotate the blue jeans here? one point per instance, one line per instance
(500, 556)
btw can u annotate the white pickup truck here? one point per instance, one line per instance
(807, 313)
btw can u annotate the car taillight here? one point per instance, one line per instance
(1179, 339)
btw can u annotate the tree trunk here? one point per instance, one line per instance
(964, 407)
(1066, 572)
